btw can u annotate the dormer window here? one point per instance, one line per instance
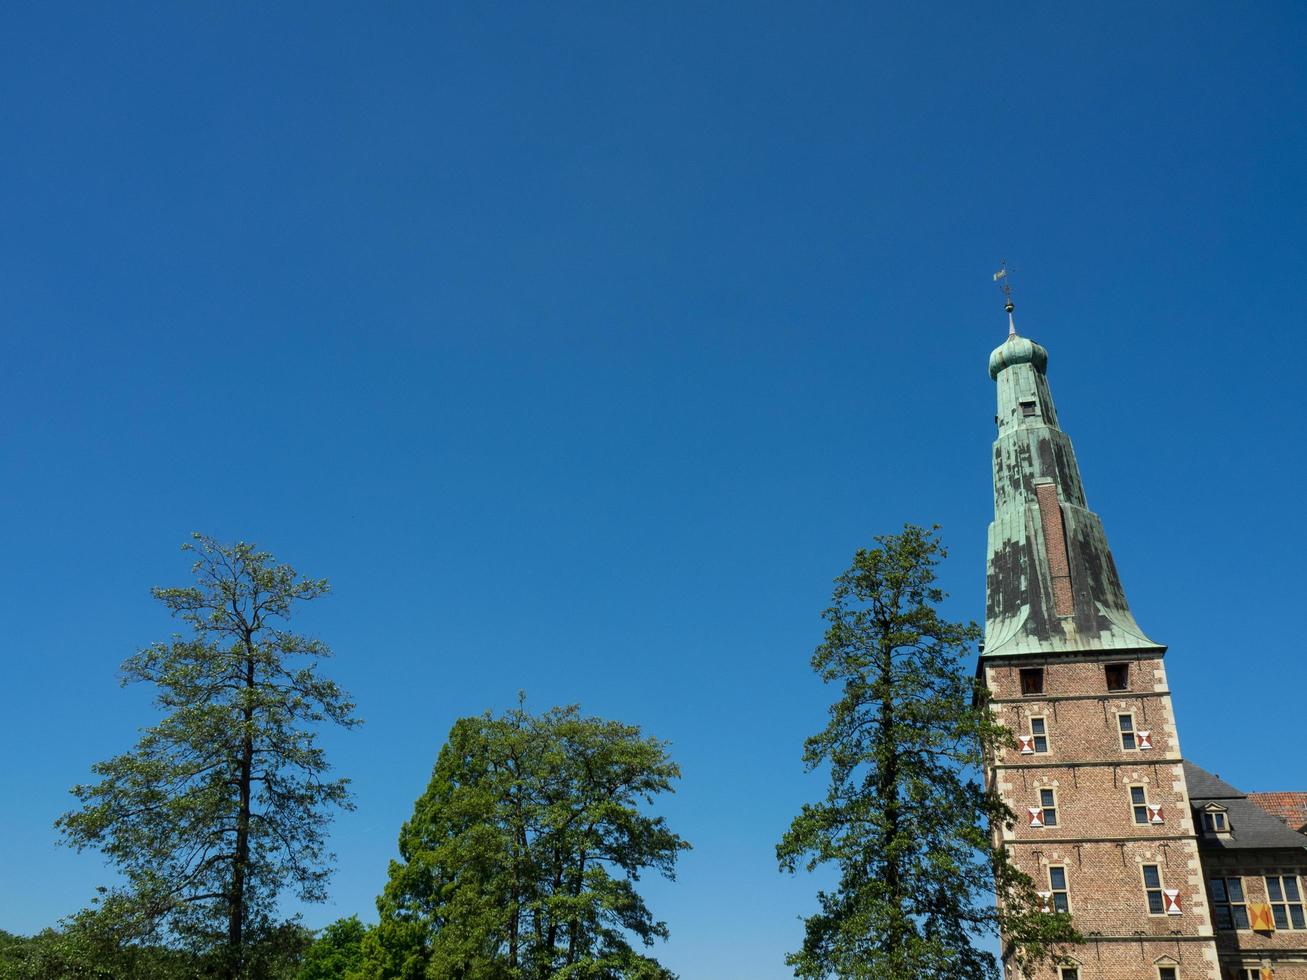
(1215, 820)
(1028, 409)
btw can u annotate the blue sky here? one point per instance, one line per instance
(580, 346)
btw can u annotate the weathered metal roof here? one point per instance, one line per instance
(1051, 586)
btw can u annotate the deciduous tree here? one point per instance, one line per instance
(521, 859)
(224, 803)
(906, 818)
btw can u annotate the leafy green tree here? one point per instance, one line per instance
(224, 803)
(336, 953)
(906, 818)
(521, 858)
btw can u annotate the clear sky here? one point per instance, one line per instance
(580, 345)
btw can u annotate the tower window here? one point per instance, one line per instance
(1139, 802)
(1032, 680)
(1126, 723)
(1038, 735)
(1048, 807)
(1118, 677)
(1069, 973)
(1027, 408)
(1286, 901)
(1057, 886)
(1229, 906)
(1167, 973)
(1214, 822)
(1153, 889)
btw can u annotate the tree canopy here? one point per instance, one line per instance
(907, 818)
(225, 802)
(521, 859)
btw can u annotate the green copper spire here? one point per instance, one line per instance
(1051, 585)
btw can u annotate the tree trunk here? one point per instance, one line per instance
(887, 786)
(241, 860)
(574, 926)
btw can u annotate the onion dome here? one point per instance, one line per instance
(1017, 350)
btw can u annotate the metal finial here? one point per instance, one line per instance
(1001, 278)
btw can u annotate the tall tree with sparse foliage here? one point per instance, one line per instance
(521, 859)
(907, 819)
(225, 802)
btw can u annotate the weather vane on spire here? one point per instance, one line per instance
(1001, 279)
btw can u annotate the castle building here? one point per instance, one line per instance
(1169, 872)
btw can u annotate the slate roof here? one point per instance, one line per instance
(1289, 807)
(1250, 825)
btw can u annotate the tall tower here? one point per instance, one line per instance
(1103, 824)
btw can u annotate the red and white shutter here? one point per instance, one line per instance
(1155, 813)
(1044, 897)
(1143, 739)
(1172, 897)
(1036, 816)
(1027, 744)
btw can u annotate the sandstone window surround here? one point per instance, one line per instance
(1215, 819)
(1132, 739)
(1059, 894)
(1044, 815)
(1160, 899)
(1037, 741)
(1145, 813)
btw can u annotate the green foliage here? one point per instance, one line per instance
(521, 859)
(906, 817)
(336, 953)
(224, 803)
(85, 949)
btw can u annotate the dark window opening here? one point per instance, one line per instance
(1032, 680)
(1229, 907)
(1118, 677)
(1153, 889)
(1027, 408)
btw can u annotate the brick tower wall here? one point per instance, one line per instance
(1096, 838)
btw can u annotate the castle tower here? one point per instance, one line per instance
(1104, 825)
